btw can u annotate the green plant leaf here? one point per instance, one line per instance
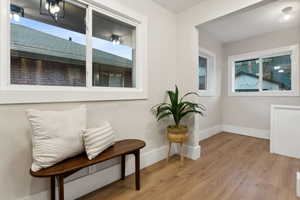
(195, 105)
(163, 115)
(191, 111)
(178, 108)
(163, 109)
(188, 94)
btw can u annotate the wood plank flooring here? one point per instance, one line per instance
(232, 167)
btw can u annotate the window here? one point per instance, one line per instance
(203, 61)
(271, 72)
(206, 72)
(83, 47)
(114, 60)
(246, 75)
(46, 52)
(277, 73)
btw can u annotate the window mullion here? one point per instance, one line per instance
(89, 48)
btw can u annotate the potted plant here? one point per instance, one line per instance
(178, 108)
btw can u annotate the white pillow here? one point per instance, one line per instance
(96, 140)
(56, 135)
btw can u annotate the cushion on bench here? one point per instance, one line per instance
(56, 135)
(96, 140)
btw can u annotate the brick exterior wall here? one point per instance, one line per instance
(28, 71)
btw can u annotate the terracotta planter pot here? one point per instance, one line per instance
(177, 134)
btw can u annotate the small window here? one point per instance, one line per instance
(206, 72)
(203, 73)
(272, 72)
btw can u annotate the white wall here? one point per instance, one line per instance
(254, 112)
(187, 41)
(131, 119)
(212, 103)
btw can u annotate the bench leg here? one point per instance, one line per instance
(123, 159)
(137, 170)
(52, 187)
(61, 188)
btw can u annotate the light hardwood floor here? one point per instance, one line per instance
(232, 167)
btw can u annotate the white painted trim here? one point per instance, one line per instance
(14, 94)
(253, 132)
(211, 73)
(293, 50)
(87, 184)
(206, 133)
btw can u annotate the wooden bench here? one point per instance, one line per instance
(72, 165)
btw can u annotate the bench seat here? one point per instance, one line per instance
(74, 164)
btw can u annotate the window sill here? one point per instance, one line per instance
(264, 94)
(11, 95)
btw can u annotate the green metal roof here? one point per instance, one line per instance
(32, 41)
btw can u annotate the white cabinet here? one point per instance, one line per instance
(285, 130)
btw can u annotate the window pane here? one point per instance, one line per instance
(46, 52)
(203, 73)
(277, 73)
(247, 75)
(113, 52)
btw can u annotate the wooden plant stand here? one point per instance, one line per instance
(180, 139)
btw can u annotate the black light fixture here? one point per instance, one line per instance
(116, 39)
(54, 8)
(16, 12)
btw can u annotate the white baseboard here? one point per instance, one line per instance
(206, 133)
(253, 132)
(87, 184)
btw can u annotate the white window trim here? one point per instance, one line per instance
(18, 94)
(211, 73)
(293, 50)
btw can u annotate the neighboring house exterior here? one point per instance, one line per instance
(43, 59)
(248, 82)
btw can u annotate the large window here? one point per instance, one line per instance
(271, 72)
(67, 47)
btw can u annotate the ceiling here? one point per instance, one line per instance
(178, 5)
(251, 22)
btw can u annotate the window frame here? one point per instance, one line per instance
(293, 50)
(211, 73)
(18, 94)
